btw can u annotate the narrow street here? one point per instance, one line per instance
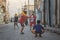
(29, 11)
(7, 32)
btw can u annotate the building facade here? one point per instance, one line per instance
(2, 10)
(52, 16)
(50, 13)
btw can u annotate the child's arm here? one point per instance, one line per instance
(43, 29)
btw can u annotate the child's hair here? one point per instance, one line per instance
(25, 12)
(38, 21)
(32, 14)
(15, 14)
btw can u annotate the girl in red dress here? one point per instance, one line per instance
(32, 20)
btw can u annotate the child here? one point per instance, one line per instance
(22, 20)
(16, 21)
(38, 29)
(32, 20)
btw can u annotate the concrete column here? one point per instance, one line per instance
(47, 11)
(55, 13)
(52, 12)
(59, 13)
(49, 14)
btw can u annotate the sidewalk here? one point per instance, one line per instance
(3, 24)
(52, 29)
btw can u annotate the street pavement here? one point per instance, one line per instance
(7, 32)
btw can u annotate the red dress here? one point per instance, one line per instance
(23, 18)
(32, 20)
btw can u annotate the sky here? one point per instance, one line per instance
(16, 5)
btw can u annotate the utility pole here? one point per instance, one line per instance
(56, 12)
(28, 7)
(28, 11)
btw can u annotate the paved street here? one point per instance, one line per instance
(7, 32)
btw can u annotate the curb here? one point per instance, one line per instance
(54, 31)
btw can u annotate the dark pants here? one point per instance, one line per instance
(15, 23)
(36, 34)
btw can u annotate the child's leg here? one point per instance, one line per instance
(17, 25)
(36, 34)
(14, 25)
(22, 28)
(39, 34)
(30, 26)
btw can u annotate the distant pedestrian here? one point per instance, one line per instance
(15, 21)
(22, 20)
(38, 29)
(32, 20)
